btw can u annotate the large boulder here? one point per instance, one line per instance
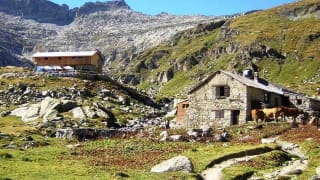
(66, 105)
(269, 140)
(179, 163)
(60, 105)
(47, 104)
(51, 115)
(176, 138)
(78, 113)
(107, 114)
(90, 112)
(27, 113)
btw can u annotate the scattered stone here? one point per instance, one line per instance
(11, 145)
(28, 145)
(176, 138)
(121, 174)
(27, 138)
(64, 133)
(78, 113)
(4, 113)
(179, 163)
(268, 140)
(4, 136)
(51, 115)
(164, 136)
(193, 133)
(293, 172)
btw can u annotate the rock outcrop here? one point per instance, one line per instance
(179, 163)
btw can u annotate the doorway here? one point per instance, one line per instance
(235, 117)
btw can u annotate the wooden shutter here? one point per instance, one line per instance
(226, 91)
(219, 114)
(217, 91)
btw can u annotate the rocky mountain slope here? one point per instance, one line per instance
(66, 101)
(118, 31)
(282, 43)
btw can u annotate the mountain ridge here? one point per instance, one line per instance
(281, 43)
(113, 27)
(44, 11)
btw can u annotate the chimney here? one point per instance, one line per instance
(256, 76)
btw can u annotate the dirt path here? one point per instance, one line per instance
(215, 173)
(294, 167)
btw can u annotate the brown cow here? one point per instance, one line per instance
(292, 112)
(257, 114)
(273, 113)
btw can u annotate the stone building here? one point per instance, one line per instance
(225, 99)
(301, 101)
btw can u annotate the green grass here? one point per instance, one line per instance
(176, 85)
(47, 163)
(133, 156)
(312, 150)
(13, 125)
(201, 156)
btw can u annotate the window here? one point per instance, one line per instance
(299, 101)
(220, 114)
(222, 91)
(185, 106)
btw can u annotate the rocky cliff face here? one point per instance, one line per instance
(112, 27)
(119, 34)
(40, 10)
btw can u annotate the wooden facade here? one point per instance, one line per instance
(82, 60)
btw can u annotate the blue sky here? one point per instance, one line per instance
(184, 7)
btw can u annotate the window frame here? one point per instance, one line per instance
(222, 91)
(219, 114)
(185, 106)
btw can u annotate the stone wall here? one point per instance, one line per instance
(305, 103)
(204, 103)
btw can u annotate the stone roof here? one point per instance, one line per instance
(64, 54)
(259, 83)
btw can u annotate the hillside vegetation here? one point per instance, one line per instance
(282, 43)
